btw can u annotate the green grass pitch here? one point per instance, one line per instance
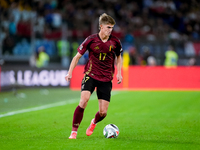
(156, 120)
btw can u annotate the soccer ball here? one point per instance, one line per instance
(111, 131)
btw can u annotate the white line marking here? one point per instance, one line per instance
(47, 106)
(39, 107)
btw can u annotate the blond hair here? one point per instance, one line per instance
(106, 19)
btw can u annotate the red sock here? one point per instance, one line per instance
(78, 116)
(98, 118)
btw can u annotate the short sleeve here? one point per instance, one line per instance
(119, 49)
(83, 47)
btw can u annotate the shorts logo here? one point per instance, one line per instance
(83, 86)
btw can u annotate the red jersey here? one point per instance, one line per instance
(100, 65)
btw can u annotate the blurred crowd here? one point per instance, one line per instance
(172, 20)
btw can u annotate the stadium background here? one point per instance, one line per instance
(146, 28)
(61, 25)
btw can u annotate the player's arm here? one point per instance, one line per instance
(73, 64)
(119, 67)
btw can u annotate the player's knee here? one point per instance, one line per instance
(85, 98)
(83, 103)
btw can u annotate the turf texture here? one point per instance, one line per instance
(146, 120)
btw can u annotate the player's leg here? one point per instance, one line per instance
(103, 108)
(100, 115)
(78, 113)
(87, 90)
(103, 93)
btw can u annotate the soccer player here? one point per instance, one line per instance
(103, 49)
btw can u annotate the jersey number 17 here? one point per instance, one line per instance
(102, 56)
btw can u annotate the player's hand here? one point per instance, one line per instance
(68, 77)
(119, 78)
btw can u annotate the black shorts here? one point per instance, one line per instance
(103, 88)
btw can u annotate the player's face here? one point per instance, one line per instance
(107, 29)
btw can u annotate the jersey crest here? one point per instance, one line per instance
(110, 48)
